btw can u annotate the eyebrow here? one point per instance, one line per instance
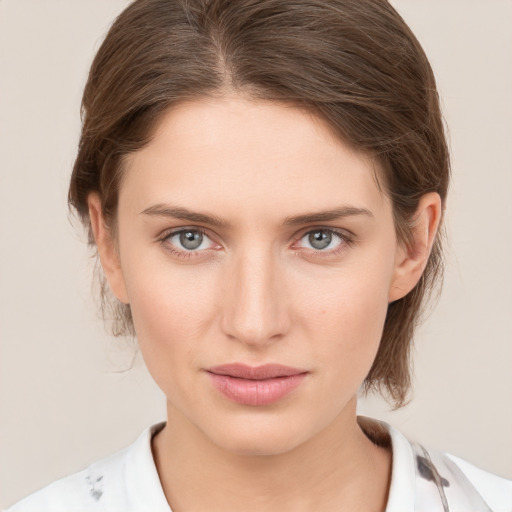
(337, 213)
(178, 212)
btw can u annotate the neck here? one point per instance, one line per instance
(339, 468)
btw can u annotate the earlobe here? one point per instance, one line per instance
(107, 251)
(411, 259)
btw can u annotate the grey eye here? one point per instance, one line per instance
(320, 239)
(191, 239)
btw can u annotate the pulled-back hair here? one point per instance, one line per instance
(354, 63)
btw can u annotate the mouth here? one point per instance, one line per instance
(255, 385)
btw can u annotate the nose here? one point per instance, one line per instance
(254, 301)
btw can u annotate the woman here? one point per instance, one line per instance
(265, 183)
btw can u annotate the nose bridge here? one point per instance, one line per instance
(255, 306)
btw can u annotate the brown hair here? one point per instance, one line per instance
(355, 63)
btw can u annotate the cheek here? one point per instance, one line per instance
(346, 317)
(171, 311)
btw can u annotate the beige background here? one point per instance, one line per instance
(64, 401)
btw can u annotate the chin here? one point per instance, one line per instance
(263, 436)
(258, 446)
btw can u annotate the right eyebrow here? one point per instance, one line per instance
(178, 212)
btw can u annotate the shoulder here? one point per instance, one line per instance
(444, 482)
(460, 483)
(495, 490)
(126, 481)
(82, 491)
(426, 480)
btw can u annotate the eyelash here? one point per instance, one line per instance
(347, 239)
(183, 254)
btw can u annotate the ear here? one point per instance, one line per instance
(411, 259)
(107, 250)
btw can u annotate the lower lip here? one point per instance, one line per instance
(256, 392)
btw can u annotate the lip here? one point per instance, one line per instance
(255, 385)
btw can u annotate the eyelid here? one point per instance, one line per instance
(165, 235)
(347, 239)
(344, 234)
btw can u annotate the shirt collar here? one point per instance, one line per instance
(142, 481)
(141, 473)
(403, 474)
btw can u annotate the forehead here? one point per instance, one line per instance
(253, 156)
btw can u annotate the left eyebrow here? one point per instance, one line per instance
(337, 213)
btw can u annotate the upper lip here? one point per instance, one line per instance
(244, 371)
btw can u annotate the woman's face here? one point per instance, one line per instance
(249, 236)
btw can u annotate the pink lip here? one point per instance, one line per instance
(255, 385)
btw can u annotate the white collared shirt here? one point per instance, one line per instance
(421, 481)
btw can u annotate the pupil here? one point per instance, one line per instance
(191, 240)
(320, 239)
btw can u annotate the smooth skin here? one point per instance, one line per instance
(251, 280)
